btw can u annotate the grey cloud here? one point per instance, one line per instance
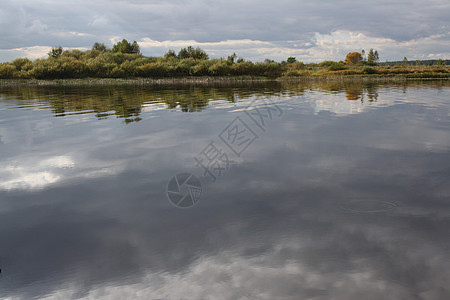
(30, 23)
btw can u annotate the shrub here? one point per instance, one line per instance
(273, 69)
(219, 68)
(290, 73)
(334, 66)
(369, 70)
(91, 54)
(201, 68)
(439, 71)
(183, 67)
(311, 66)
(297, 73)
(43, 69)
(350, 72)
(242, 68)
(327, 63)
(117, 72)
(150, 70)
(74, 53)
(427, 75)
(20, 63)
(295, 66)
(7, 71)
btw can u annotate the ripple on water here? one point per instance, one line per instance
(368, 206)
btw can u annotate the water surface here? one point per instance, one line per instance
(305, 191)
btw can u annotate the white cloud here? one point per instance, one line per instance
(44, 173)
(33, 52)
(337, 44)
(29, 181)
(333, 46)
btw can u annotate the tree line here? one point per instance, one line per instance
(125, 60)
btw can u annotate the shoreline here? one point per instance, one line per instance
(202, 80)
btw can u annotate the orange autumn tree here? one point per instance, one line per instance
(353, 58)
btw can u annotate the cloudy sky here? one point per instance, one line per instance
(312, 31)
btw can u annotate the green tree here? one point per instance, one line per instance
(198, 54)
(170, 54)
(183, 53)
(231, 59)
(291, 60)
(135, 48)
(372, 57)
(440, 62)
(55, 52)
(125, 47)
(405, 61)
(100, 47)
(190, 52)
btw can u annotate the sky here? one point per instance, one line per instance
(311, 31)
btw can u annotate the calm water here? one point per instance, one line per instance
(258, 191)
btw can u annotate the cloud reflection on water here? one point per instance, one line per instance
(273, 227)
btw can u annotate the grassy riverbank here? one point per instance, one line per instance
(218, 80)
